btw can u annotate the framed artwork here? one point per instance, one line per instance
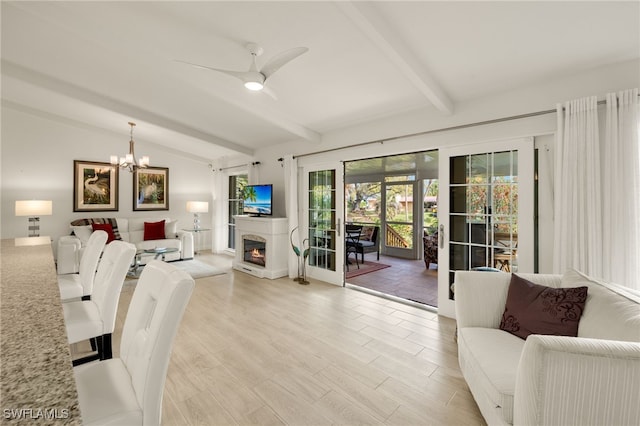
(95, 186)
(151, 188)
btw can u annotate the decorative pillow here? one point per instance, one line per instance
(154, 230)
(90, 221)
(171, 229)
(83, 233)
(106, 227)
(367, 233)
(536, 309)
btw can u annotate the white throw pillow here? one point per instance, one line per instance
(83, 233)
(170, 229)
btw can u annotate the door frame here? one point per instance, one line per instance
(526, 213)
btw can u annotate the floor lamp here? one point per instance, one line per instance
(34, 209)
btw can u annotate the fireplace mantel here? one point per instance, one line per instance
(274, 231)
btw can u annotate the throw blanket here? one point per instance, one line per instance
(110, 220)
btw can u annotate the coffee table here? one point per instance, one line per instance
(158, 252)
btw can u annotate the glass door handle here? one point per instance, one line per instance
(441, 236)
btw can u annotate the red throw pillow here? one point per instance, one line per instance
(106, 227)
(154, 230)
(537, 309)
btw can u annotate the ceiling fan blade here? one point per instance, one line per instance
(267, 91)
(238, 74)
(280, 60)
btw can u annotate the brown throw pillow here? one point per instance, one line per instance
(537, 309)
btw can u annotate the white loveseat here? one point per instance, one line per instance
(71, 247)
(592, 379)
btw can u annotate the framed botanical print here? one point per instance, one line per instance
(95, 186)
(151, 188)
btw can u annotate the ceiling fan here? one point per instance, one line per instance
(255, 79)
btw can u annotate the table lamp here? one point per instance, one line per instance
(34, 209)
(197, 207)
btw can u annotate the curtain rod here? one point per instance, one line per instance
(255, 163)
(443, 129)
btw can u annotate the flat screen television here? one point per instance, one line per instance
(258, 200)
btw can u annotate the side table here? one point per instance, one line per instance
(196, 236)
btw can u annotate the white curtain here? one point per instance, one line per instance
(621, 190)
(577, 192)
(291, 204)
(597, 189)
(218, 209)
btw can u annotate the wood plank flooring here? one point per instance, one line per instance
(254, 351)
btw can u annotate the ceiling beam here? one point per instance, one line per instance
(269, 116)
(67, 89)
(383, 36)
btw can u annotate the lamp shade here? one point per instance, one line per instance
(197, 206)
(34, 208)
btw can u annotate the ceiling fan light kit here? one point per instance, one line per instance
(255, 79)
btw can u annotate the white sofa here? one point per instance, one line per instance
(591, 379)
(71, 247)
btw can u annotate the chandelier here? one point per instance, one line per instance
(129, 161)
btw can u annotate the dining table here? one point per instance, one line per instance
(36, 374)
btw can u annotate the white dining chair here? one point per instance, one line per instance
(80, 285)
(96, 318)
(128, 390)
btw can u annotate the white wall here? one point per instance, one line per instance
(37, 163)
(38, 151)
(541, 97)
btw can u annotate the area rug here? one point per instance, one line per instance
(365, 268)
(197, 268)
(194, 267)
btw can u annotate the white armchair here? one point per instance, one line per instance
(577, 381)
(592, 379)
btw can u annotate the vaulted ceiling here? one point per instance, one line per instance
(105, 63)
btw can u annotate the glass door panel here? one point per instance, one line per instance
(484, 213)
(323, 218)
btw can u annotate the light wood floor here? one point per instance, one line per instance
(258, 351)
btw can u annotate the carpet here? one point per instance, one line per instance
(197, 268)
(365, 268)
(194, 267)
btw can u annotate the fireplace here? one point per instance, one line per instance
(254, 249)
(263, 246)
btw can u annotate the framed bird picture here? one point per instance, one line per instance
(151, 188)
(95, 186)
